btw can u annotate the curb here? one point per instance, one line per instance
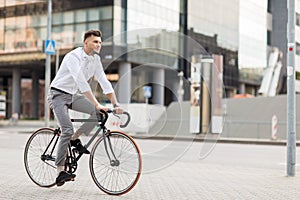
(23, 128)
(213, 139)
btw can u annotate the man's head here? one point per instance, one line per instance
(92, 42)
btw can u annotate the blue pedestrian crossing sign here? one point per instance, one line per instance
(50, 47)
(147, 92)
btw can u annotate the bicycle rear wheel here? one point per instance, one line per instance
(116, 176)
(39, 157)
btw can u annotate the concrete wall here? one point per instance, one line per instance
(243, 118)
(252, 117)
(175, 121)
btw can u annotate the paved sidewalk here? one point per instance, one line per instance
(185, 179)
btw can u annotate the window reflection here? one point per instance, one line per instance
(57, 19)
(94, 25)
(150, 25)
(26, 33)
(79, 30)
(1, 35)
(68, 17)
(153, 14)
(80, 16)
(105, 12)
(93, 14)
(68, 36)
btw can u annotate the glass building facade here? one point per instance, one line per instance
(134, 32)
(153, 14)
(139, 35)
(23, 27)
(27, 32)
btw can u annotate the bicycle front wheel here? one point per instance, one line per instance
(39, 157)
(115, 163)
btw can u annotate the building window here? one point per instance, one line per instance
(1, 34)
(269, 33)
(297, 19)
(93, 14)
(297, 75)
(68, 17)
(79, 32)
(80, 16)
(297, 48)
(269, 5)
(57, 19)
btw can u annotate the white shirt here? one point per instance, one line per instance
(76, 69)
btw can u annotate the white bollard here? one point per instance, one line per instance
(274, 127)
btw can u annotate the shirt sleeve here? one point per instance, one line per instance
(75, 69)
(102, 80)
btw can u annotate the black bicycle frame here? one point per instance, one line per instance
(106, 137)
(55, 135)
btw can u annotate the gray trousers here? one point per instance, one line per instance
(60, 103)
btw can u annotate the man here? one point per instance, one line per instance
(70, 90)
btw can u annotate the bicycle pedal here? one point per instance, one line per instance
(71, 179)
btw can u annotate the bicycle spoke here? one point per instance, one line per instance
(41, 172)
(120, 176)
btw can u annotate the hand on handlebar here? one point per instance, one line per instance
(99, 107)
(118, 110)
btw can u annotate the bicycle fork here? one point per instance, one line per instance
(114, 162)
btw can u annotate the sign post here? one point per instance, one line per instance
(48, 50)
(291, 96)
(147, 93)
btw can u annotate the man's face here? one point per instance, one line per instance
(92, 45)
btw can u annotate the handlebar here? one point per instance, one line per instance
(102, 116)
(127, 121)
(105, 113)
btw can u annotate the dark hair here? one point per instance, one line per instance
(89, 33)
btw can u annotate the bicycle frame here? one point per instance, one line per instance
(49, 157)
(74, 159)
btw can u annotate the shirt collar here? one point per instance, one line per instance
(88, 57)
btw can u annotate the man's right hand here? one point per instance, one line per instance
(118, 110)
(99, 107)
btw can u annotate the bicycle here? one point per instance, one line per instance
(115, 161)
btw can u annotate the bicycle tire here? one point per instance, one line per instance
(116, 180)
(42, 173)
